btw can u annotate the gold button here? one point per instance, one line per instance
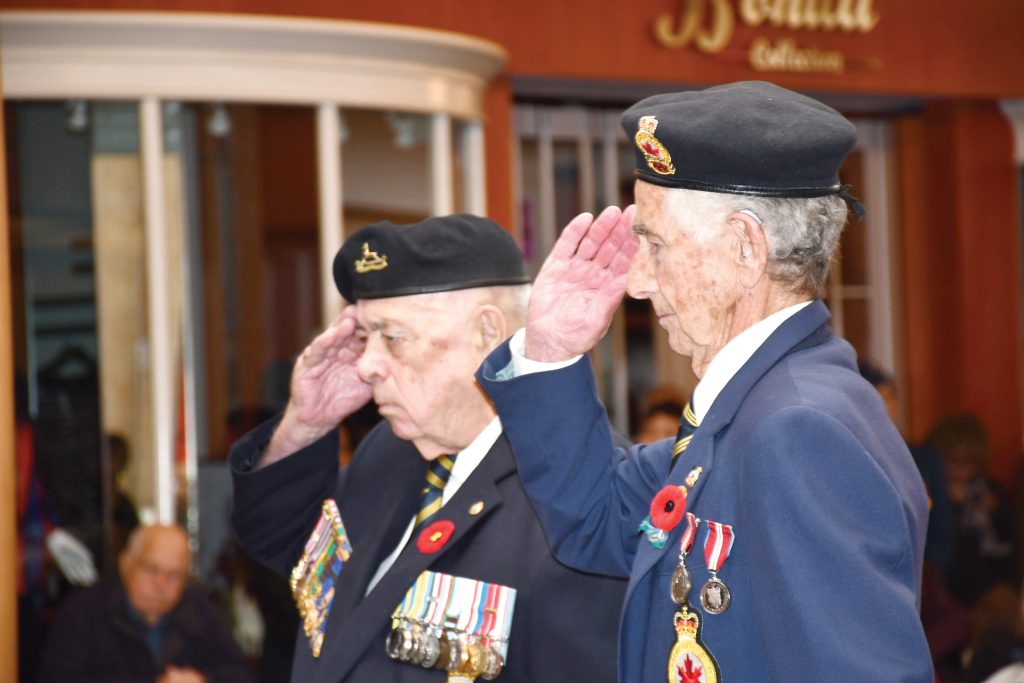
(476, 508)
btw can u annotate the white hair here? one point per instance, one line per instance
(802, 233)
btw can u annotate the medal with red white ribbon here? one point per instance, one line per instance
(679, 589)
(714, 596)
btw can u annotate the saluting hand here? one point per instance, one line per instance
(580, 285)
(325, 389)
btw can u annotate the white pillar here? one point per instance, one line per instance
(441, 186)
(332, 230)
(474, 168)
(162, 386)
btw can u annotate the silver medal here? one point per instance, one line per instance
(681, 584)
(714, 596)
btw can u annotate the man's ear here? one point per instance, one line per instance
(492, 327)
(751, 247)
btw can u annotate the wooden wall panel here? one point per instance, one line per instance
(962, 272)
(498, 152)
(10, 564)
(954, 47)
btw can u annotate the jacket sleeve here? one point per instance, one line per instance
(276, 507)
(589, 495)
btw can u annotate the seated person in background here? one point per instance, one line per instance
(660, 421)
(982, 515)
(146, 624)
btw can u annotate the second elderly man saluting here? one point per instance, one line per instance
(422, 561)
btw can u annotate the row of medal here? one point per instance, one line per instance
(714, 596)
(689, 659)
(455, 624)
(463, 655)
(315, 575)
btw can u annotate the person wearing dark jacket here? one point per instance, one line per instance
(431, 497)
(146, 624)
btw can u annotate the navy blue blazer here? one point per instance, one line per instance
(799, 456)
(565, 621)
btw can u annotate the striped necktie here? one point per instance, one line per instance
(687, 426)
(437, 476)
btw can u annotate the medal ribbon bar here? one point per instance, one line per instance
(316, 573)
(718, 545)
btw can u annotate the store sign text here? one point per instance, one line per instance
(708, 25)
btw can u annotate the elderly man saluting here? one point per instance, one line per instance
(441, 549)
(779, 537)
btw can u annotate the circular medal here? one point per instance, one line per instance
(393, 644)
(431, 650)
(714, 596)
(679, 589)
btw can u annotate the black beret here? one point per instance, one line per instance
(751, 138)
(440, 254)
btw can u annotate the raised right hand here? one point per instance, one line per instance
(325, 389)
(580, 285)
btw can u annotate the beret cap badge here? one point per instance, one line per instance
(657, 157)
(371, 261)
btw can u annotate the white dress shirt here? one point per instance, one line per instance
(466, 461)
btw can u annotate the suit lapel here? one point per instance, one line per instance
(376, 608)
(808, 327)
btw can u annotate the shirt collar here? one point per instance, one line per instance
(734, 355)
(469, 457)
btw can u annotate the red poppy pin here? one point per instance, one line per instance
(668, 507)
(434, 536)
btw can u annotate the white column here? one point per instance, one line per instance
(585, 162)
(441, 186)
(546, 216)
(162, 386)
(610, 134)
(474, 168)
(332, 229)
(874, 143)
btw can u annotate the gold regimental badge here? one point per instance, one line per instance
(655, 153)
(371, 261)
(690, 661)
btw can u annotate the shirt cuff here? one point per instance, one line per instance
(521, 365)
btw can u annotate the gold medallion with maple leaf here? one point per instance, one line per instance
(690, 661)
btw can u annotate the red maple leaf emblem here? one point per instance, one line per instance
(691, 673)
(651, 149)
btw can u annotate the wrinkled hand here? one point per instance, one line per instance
(174, 674)
(73, 558)
(580, 285)
(325, 389)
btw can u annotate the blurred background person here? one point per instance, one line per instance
(982, 515)
(660, 414)
(144, 624)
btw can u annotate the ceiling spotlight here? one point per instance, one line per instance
(407, 130)
(218, 124)
(77, 115)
